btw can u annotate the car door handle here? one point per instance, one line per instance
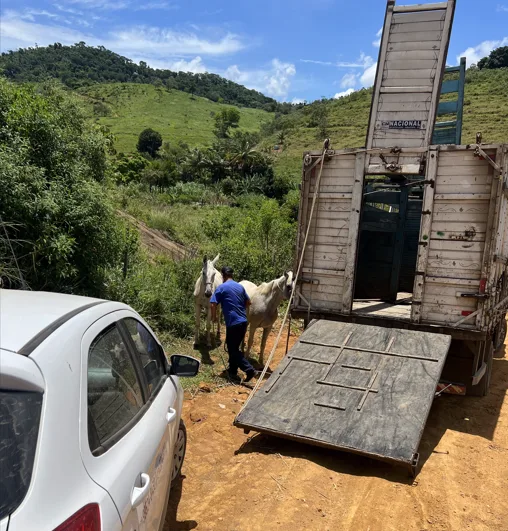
(139, 493)
(171, 415)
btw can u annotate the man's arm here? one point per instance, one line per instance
(247, 298)
(213, 303)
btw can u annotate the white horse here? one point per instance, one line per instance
(209, 280)
(265, 301)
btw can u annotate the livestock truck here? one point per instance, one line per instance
(402, 256)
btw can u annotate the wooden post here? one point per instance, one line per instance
(353, 235)
(425, 232)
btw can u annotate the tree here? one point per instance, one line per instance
(226, 120)
(149, 141)
(63, 229)
(497, 58)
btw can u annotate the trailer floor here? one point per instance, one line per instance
(236, 483)
(400, 310)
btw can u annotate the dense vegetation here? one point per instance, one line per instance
(497, 58)
(52, 162)
(60, 187)
(81, 65)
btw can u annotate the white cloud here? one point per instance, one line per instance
(106, 5)
(377, 42)
(364, 61)
(154, 43)
(274, 81)
(474, 53)
(297, 101)
(196, 65)
(163, 41)
(30, 14)
(344, 93)
(66, 9)
(348, 80)
(502, 8)
(16, 33)
(157, 5)
(368, 76)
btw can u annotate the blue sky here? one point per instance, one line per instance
(291, 50)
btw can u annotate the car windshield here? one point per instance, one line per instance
(20, 414)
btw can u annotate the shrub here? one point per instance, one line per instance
(51, 160)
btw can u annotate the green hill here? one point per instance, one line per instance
(128, 108)
(81, 65)
(485, 110)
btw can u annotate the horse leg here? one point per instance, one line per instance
(266, 332)
(197, 309)
(252, 331)
(208, 323)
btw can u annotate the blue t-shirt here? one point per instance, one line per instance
(232, 298)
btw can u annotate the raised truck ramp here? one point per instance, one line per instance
(359, 388)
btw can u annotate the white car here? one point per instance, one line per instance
(90, 429)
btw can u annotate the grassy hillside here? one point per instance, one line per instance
(485, 110)
(81, 66)
(131, 107)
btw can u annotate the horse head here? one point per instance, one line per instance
(288, 284)
(208, 272)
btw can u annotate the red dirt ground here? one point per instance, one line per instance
(235, 482)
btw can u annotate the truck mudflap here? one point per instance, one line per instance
(359, 388)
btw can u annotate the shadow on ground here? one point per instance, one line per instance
(171, 522)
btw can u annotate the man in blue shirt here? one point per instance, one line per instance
(234, 302)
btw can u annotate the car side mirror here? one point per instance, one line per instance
(184, 366)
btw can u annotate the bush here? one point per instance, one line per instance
(51, 160)
(257, 240)
(160, 290)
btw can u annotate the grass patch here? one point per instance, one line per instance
(177, 115)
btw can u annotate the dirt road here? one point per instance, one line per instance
(233, 482)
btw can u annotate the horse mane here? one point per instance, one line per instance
(267, 287)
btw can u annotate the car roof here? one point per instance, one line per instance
(30, 316)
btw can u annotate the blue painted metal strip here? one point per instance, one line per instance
(450, 86)
(447, 107)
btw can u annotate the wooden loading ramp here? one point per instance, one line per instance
(411, 63)
(358, 388)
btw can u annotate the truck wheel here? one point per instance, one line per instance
(500, 335)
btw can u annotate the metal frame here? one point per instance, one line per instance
(424, 238)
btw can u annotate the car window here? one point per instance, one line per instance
(20, 413)
(114, 392)
(149, 352)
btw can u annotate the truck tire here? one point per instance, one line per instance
(500, 335)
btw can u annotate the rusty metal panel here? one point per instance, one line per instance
(358, 388)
